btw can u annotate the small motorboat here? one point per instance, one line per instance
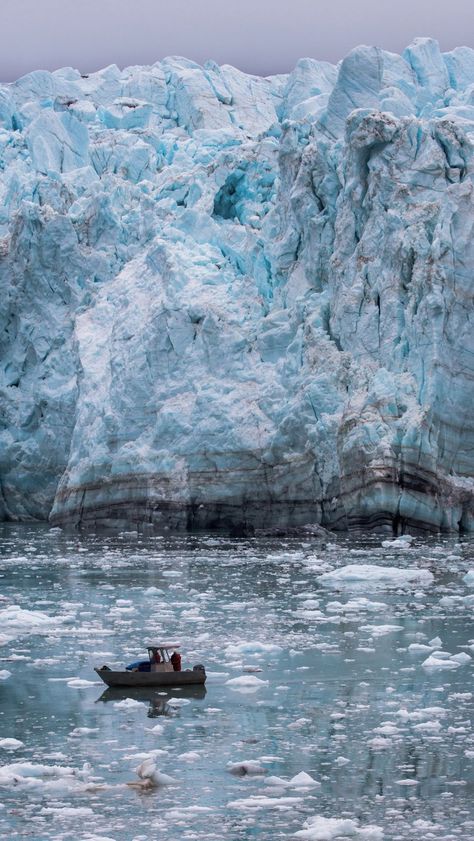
(163, 668)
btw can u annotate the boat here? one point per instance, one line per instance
(163, 668)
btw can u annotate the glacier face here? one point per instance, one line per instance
(229, 300)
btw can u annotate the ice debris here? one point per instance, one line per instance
(249, 767)
(319, 828)
(151, 777)
(378, 576)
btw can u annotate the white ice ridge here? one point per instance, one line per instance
(239, 301)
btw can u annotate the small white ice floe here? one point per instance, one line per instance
(157, 729)
(439, 660)
(402, 542)
(151, 777)
(128, 704)
(301, 780)
(251, 648)
(424, 714)
(319, 828)
(380, 743)
(11, 744)
(80, 683)
(66, 812)
(178, 702)
(380, 630)
(428, 727)
(250, 767)
(462, 658)
(298, 723)
(5, 674)
(260, 801)
(419, 647)
(57, 779)
(246, 682)
(373, 574)
(469, 578)
(190, 756)
(82, 731)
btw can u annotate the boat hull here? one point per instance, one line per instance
(186, 678)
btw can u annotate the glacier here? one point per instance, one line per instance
(238, 302)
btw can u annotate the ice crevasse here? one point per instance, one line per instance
(233, 301)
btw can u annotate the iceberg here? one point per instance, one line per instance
(239, 302)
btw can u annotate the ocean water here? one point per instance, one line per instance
(331, 683)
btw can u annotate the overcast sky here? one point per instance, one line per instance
(259, 36)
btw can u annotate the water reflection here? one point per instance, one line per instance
(158, 700)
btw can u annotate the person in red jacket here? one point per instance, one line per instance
(175, 660)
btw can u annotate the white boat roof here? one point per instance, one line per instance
(166, 645)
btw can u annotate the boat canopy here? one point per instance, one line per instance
(167, 646)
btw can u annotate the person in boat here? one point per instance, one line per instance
(175, 661)
(156, 657)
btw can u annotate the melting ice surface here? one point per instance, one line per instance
(321, 716)
(231, 300)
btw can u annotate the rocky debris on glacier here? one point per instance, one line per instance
(231, 301)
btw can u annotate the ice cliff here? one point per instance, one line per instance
(229, 300)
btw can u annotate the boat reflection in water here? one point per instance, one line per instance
(158, 701)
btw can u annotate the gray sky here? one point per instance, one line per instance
(259, 36)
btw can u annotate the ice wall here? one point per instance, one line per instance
(228, 300)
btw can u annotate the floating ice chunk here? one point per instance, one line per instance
(402, 542)
(11, 744)
(356, 604)
(435, 642)
(82, 731)
(421, 714)
(263, 802)
(157, 729)
(128, 704)
(469, 578)
(319, 828)
(5, 674)
(301, 780)
(178, 702)
(65, 812)
(380, 743)
(250, 648)
(298, 723)
(249, 766)
(440, 660)
(381, 630)
(54, 778)
(246, 682)
(15, 621)
(462, 658)
(152, 777)
(379, 576)
(387, 728)
(80, 683)
(428, 726)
